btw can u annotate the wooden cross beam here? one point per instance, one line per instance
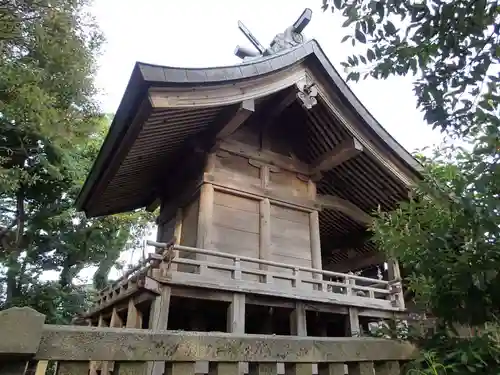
(340, 154)
(331, 202)
(236, 119)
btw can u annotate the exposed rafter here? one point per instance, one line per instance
(341, 153)
(242, 113)
(330, 202)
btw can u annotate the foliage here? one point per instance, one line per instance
(50, 132)
(447, 244)
(446, 236)
(452, 47)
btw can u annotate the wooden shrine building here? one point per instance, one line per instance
(266, 174)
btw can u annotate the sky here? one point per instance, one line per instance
(202, 33)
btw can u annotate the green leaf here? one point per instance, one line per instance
(353, 76)
(360, 36)
(370, 55)
(389, 28)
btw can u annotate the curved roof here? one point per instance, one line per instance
(137, 120)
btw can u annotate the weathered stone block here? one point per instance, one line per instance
(20, 331)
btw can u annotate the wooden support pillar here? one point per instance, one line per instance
(236, 314)
(206, 209)
(298, 325)
(134, 316)
(394, 275)
(315, 243)
(116, 321)
(236, 322)
(205, 215)
(177, 235)
(353, 327)
(265, 231)
(158, 321)
(41, 367)
(311, 190)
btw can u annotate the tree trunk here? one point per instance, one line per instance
(13, 266)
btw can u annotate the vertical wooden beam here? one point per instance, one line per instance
(134, 316)
(264, 176)
(236, 314)
(41, 367)
(116, 321)
(177, 235)
(394, 274)
(298, 325)
(206, 209)
(265, 231)
(178, 226)
(205, 215)
(393, 271)
(311, 189)
(158, 320)
(353, 328)
(315, 243)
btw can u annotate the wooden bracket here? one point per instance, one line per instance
(331, 202)
(244, 110)
(340, 154)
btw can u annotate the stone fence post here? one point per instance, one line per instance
(21, 331)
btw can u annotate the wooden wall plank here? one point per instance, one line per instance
(189, 233)
(233, 201)
(236, 218)
(288, 182)
(290, 215)
(290, 240)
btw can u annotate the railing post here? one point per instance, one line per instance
(395, 285)
(21, 331)
(237, 268)
(353, 316)
(264, 231)
(296, 277)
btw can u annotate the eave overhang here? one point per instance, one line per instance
(200, 97)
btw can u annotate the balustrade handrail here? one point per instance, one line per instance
(27, 335)
(266, 262)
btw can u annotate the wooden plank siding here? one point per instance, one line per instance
(235, 229)
(189, 233)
